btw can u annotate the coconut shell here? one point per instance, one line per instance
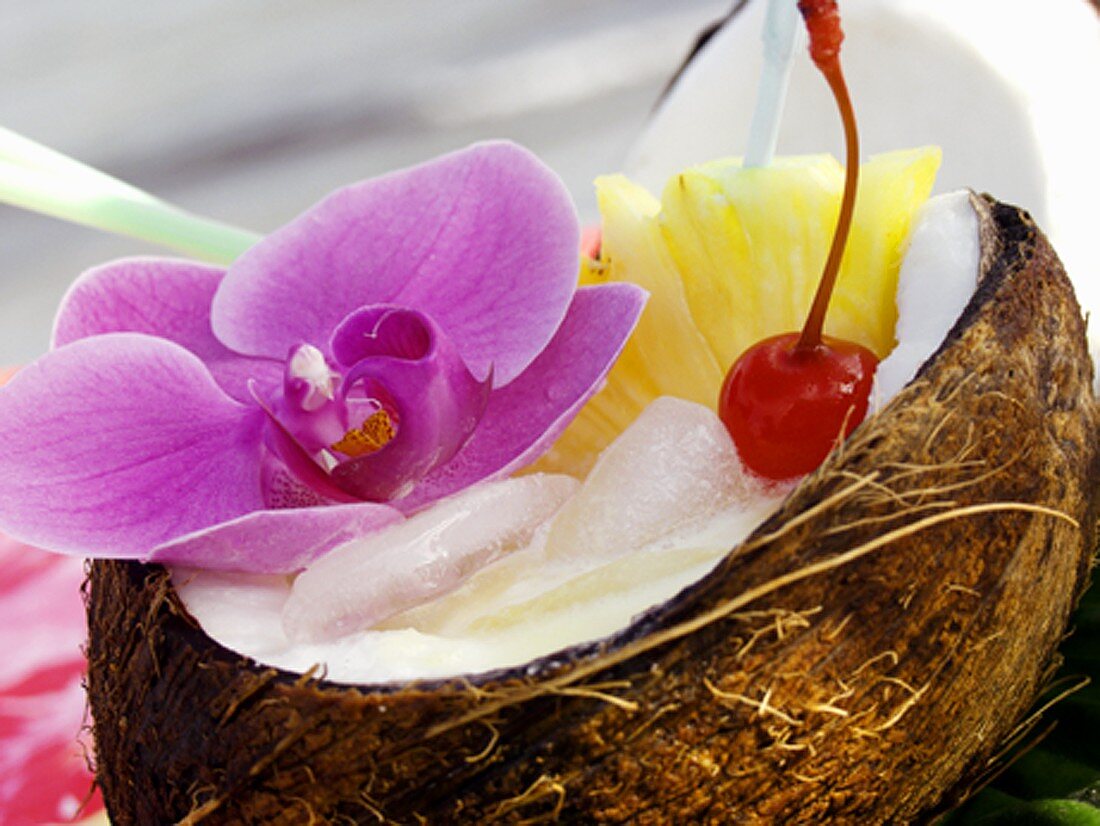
(866, 656)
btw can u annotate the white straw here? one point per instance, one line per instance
(781, 32)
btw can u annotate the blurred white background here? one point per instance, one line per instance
(249, 111)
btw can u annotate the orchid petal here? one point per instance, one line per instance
(409, 360)
(162, 297)
(114, 444)
(523, 419)
(483, 240)
(276, 541)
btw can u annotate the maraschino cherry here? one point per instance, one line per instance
(789, 399)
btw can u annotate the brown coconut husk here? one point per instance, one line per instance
(865, 657)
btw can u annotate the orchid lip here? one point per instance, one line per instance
(394, 401)
(403, 360)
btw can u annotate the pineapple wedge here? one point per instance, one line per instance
(732, 255)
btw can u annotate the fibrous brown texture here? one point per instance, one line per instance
(865, 657)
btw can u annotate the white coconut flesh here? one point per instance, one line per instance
(512, 570)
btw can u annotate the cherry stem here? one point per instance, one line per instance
(815, 321)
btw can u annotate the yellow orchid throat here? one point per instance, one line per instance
(730, 256)
(375, 433)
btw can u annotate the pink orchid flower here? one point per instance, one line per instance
(405, 338)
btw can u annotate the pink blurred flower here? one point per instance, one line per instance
(44, 774)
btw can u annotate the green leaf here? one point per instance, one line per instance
(1045, 813)
(1057, 783)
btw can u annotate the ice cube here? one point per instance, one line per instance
(674, 467)
(521, 575)
(369, 579)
